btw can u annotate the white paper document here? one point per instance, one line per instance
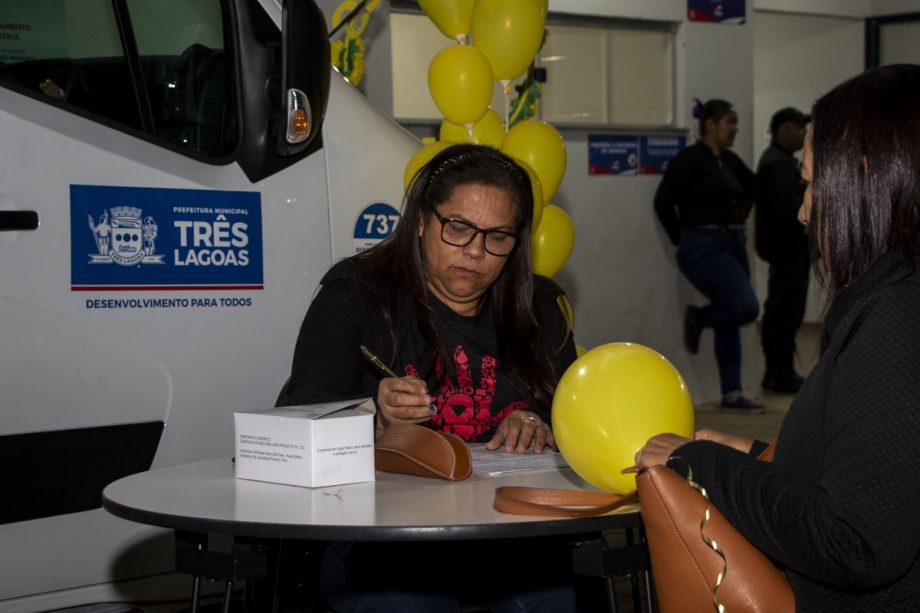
(486, 462)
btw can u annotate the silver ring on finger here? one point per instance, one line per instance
(530, 420)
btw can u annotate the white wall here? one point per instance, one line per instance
(660, 10)
(878, 8)
(839, 8)
(797, 58)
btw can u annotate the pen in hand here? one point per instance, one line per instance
(377, 362)
(385, 369)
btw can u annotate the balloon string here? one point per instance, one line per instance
(505, 95)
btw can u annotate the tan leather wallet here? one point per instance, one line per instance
(416, 450)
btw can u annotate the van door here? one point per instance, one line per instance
(161, 289)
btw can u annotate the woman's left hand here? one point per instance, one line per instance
(656, 451)
(521, 429)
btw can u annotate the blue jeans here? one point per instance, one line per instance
(716, 263)
(435, 577)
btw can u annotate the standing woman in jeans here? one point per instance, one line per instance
(703, 201)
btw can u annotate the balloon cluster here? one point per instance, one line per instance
(497, 40)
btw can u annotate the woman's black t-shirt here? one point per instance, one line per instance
(474, 394)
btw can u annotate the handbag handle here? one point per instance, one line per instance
(548, 502)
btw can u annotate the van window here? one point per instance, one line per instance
(187, 73)
(70, 53)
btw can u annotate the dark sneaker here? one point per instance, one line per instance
(692, 330)
(768, 381)
(740, 404)
(786, 385)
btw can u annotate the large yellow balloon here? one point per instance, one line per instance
(553, 241)
(422, 157)
(543, 5)
(487, 131)
(452, 17)
(609, 402)
(509, 32)
(540, 145)
(460, 83)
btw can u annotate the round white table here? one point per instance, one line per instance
(202, 498)
(206, 497)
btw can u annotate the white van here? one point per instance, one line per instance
(173, 184)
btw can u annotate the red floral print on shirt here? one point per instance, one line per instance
(463, 409)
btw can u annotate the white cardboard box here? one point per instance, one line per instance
(310, 445)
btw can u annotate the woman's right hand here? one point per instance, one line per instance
(735, 442)
(403, 399)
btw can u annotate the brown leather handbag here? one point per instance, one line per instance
(416, 450)
(700, 562)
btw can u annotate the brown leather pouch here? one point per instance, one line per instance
(416, 450)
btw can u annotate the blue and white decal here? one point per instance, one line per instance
(717, 11)
(157, 239)
(656, 152)
(610, 154)
(376, 222)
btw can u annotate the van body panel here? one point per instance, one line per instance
(81, 359)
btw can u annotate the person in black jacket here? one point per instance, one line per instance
(781, 241)
(479, 342)
(837, 508)
(702, 202)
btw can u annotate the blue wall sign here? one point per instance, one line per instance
(613, 154)
(656, 151)
(716, 11)
(376, 222)
(153, 239)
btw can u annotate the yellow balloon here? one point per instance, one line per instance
(609, 402)
(460, 83)
(487, 131)
(420, 158)
(540, 145)
(537, 189)
(452, 17)
(509, 32)
(580, 351)
(553, 241)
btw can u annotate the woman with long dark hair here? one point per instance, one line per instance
(702, 202)
(478, 342)
(450, 303)
(837, 508)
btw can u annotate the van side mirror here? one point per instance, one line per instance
(305, 73)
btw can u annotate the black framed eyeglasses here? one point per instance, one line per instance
(461, 233)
